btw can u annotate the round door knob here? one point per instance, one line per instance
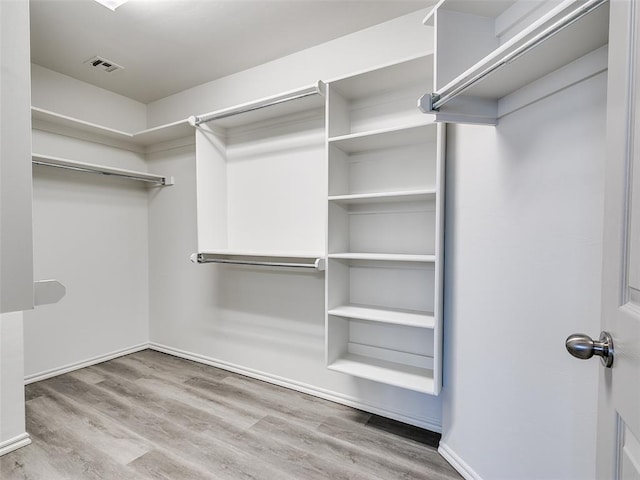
(584, 347)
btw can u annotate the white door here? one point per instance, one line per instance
(618, 447)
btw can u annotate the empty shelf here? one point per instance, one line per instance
(412, 134)
(391, 257)
(410, 318)
(390, 373)
(406, 196)
(384, 79)
(144, 138)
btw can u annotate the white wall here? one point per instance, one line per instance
(16, 261)
(90, 233)
(523, 260)
(384, 43)
(67, 96)
(16, 274)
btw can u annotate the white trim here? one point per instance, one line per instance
(14, 443)
(54, 372)
(457, 463)
(429, 424)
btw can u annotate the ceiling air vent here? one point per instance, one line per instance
(103, 64)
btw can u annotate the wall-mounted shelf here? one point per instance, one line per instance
(287, 103)
(384, 257)
(393, 137)
(488, 50)
(392, 373)
(286, 260)
(409, 318)
(402, 196)
(49, 161)
(380, 99)
(139, 140)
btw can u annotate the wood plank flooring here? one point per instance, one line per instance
(154, 416)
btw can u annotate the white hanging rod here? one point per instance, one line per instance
(432, 102)
(316, 89)
(317, 264)
(56, 162)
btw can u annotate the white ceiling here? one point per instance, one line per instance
(169, 45)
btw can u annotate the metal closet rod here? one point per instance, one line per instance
(440, 99)
(315, 90)
(318, 263)
(99, 169)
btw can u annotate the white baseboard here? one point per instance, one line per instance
(456, 462)
(428, 424)
(36, 377)
(14, 443)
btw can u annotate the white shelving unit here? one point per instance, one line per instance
(261, 181)
(385, 217)
(488, 50)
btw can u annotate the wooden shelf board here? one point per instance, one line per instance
(144, 138)
(406, 196)
(391, 257)
(404, 376)
(411, 134)
(164, 133)
(386, 78)
(77, 124)
(410, 318)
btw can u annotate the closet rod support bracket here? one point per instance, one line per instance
(168, 181)
(426, 103)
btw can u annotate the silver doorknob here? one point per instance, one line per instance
(584, 347)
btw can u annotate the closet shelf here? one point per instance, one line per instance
(397, 136)
(272, 259)
(143, 138)
(385, 78)
(564, 34)
(409, 318)
(402, 196)
(390, 373)
(306, 98)
(57, 162)
(387, 257)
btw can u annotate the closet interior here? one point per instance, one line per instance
(287, 222)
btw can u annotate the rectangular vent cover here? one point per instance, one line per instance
(104, 64)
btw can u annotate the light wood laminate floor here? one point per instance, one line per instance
(149, 415)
